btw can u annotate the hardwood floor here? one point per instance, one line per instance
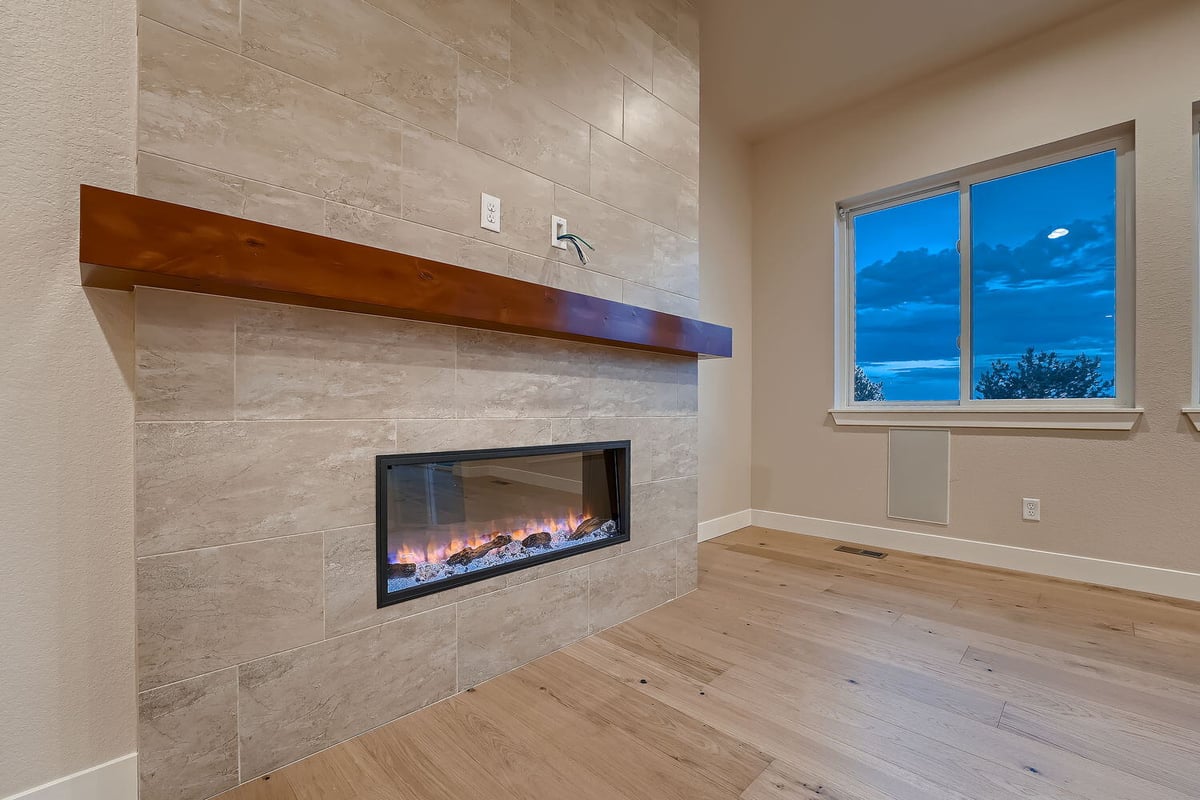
(797, 673)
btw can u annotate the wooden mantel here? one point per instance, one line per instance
(127, 241)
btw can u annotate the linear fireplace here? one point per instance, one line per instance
(447, 519)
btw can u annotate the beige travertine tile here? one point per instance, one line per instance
(516, 625)
(184, 359)
(613, 29)
(543, 9)
(189, 185)
(199, 187)
(624, 243)
(350, 598)
(293, 704)
(629, 383)
(549, 272)
(662, 511)
(277, 206)
(307, 363)
(631, 583)
(676, 263)
(659, 15)
(204, 105)
(660, 131)
(389, 233)
(549, 62)
(201, 484)
(433, 435)
(476, 28)
(480, 588)
(686, 376)
(187, 738)
(215, 21)
(503, 375)
(674, 447)
(686, 564)
(563, 565)
(658, 300)
(687, 32)
(203, 610)
(676, 79)
(510, 122)
(627, 179)
(442, 183)
(355, 49)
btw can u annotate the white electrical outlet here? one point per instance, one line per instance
(1031, 509)
(489, 212)
(558, 226)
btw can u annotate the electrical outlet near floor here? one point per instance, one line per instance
(489, 212)
(1031, 509)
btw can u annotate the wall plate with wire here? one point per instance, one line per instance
(558, 226)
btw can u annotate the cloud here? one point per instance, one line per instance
(1053, 294)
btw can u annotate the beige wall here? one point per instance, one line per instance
(725, 384)
(1127, 497)
(66, 456)
(381, 121)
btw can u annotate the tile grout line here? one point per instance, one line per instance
(237, 318)
(237, 716)
(324, 614)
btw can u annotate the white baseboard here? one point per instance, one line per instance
(1140, 578)
(720, 526)
(112, 780)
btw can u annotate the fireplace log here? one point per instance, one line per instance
(588, 526)
(469, 554)
(533, 540)
(401, 570)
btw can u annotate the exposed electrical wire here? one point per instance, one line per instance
(575, 241)
(577, 238)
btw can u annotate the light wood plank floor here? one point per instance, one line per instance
(798, 673)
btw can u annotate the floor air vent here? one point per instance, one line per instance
(858, 551)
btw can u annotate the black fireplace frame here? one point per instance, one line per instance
(620, 484)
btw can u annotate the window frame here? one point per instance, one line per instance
(1118, 411)
(1192, 412)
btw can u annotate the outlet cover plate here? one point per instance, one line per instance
(1031, 509)
(558, 226)
(489, 212)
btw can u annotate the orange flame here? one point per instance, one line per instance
(437, 548)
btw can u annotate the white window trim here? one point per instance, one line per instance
(1119, 413)
(1034, 418)
(1192, 412)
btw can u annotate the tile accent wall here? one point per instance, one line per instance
(381, 121)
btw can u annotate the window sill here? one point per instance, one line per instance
(1193, 414)
(1063, 419)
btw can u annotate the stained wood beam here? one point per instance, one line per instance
(127, 241)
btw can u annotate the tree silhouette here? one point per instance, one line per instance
(866, 389)
(1043, 375)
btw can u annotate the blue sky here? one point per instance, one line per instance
(1027, 290)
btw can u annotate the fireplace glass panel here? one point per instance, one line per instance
(446, 519)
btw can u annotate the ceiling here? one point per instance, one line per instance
(768, 63)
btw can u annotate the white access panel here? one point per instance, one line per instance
(919, 475)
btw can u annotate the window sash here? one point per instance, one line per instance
(1120, 140)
